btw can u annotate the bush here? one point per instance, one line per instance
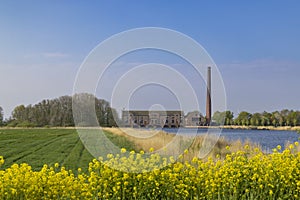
(12, 123)
(26, 124)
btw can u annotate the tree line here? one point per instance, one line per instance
(59, 112)
(277, 118)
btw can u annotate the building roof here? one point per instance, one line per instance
(146, 112)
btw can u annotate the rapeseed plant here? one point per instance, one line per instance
(135, 175)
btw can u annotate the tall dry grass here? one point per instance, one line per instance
(144, 139)
(170, 144)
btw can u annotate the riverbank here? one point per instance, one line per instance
(273, 128)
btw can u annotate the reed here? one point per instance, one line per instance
(170, 144)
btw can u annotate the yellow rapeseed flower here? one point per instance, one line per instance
(1, 160)
(271, 192)
(123, 150)
(242, 174)
(278, 147)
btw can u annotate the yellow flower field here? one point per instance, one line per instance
(130, 175)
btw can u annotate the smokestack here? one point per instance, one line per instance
(208, 97)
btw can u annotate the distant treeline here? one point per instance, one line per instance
(277, 118)
(59, 112)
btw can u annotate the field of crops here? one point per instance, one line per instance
(245, 174)
(47, 146)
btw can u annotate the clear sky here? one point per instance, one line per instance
(255, 44)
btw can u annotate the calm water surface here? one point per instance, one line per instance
(267, 139)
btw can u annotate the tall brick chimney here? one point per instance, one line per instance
(208, 97)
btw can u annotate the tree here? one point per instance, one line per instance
(284, 117)
(243, 118)
(218, 117)
(1, 116)
(276, 119)
(59, 112)
(292, 118)
(255, 119)
(265, 118)
(19, 113)
(223, 118)
(228, 117)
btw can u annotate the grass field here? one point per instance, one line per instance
(48, 146)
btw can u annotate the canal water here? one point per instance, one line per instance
(267, 139)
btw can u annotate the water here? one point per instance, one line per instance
(267, 139)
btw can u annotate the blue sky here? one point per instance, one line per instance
(255, 45)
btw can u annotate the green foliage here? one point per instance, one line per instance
(12, 123)
(59, 112)
(218, 117)
(276, 118)
(223, 118)
(1, 116)
(255, 119)
(26, 124)
(243, 118)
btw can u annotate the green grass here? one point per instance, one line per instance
(49, 146)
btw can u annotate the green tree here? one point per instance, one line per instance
(228, 117)
(1, 116)
(19, 113)
(284, 117)
(255, 119)
(243, 118)
(266, 118)
(59, 112)
(223, 118)
(219, 117)
(292, 118)
(276, 119)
